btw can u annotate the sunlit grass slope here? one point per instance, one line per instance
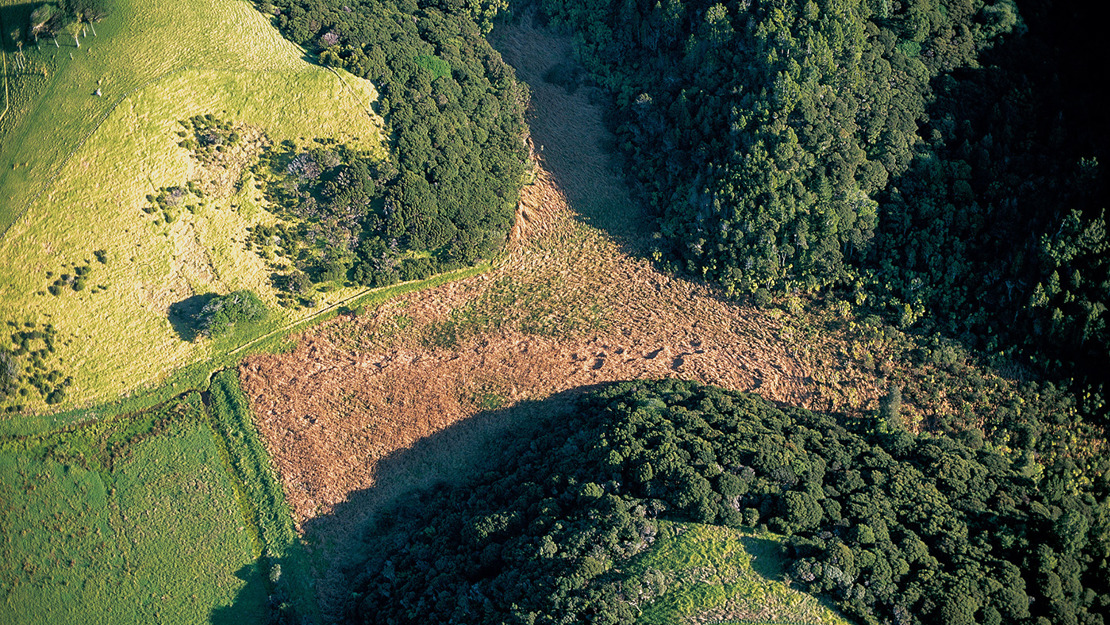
(82, 166)
(699, 573)
(99, 529)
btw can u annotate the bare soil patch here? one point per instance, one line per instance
(355, 390)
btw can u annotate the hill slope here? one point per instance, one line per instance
(80, 172)
(567, 522)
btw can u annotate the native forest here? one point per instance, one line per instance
(522, 312)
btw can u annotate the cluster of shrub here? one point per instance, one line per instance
(331, 200)
(169, 200)
(23, 368)
(210, 135)
(75, 281)
(78, 279)
(939, 154)
(894, 527)
(454, 111)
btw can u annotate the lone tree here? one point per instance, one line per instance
(20, 58)
(93, 12)
(222, 313)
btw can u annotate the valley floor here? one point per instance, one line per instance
(408, 394)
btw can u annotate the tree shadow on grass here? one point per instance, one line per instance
(182, 315)
(11, 17)
(767, 556)
(251, 603)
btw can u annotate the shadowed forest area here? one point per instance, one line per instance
(935, 163)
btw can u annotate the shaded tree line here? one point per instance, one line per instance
(69, 17)
(894, 527)
(998, 228)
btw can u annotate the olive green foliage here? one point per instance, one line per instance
(330, 199)
(763, 131)
(998, 226)
(223, 312)
(892, 526)
(455, 113)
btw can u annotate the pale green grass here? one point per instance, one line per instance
(166, 61)
(717, 574)
(139, 42)
(156, 537)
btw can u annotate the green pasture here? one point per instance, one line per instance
(138, 44)
(75, 170)
(695, 570)
(132, 520)
(284, 560)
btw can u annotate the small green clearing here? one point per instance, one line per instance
(130, 520)
(695, 570)
(76, 171)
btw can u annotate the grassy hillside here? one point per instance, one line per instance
(76, 171)
(730, 574)
(129, 521)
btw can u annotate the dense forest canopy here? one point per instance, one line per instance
(454, 115)
(894, 527)
(936, 159)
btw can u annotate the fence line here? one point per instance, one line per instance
(4, 52)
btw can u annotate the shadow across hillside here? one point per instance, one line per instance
(247, 604)
(767, 556)
(13, 17)
(334, 543)
(570, 138)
